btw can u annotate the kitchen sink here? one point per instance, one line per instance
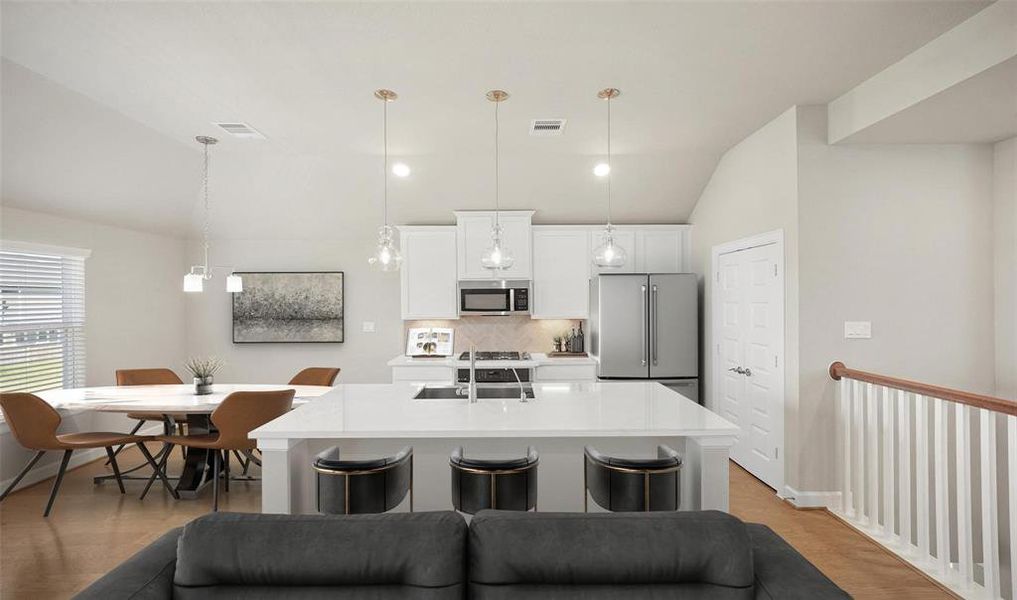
(488, 391)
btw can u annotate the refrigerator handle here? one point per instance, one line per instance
(646, 325)
(653, 332)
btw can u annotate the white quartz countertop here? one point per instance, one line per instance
(536, 359)
(573, 409)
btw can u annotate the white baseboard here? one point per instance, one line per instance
(80, 457)
(811, 499)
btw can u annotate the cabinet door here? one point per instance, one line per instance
(474, 237)
(561, 273)
(626, 238)
(428, 274)
(660, 250)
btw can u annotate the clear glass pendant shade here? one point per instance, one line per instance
(386, 256)
(609, 254)
(497, 257)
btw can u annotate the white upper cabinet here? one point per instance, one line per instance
(663, 249)
(625, 237)
(561, 272)
(428, 274)
(473, 236)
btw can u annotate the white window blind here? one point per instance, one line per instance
(42, 320)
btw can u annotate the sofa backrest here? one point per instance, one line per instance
(570, 555)
(419, 555)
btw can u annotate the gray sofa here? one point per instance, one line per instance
(437, 556)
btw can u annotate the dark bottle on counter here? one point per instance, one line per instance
(573, 341)
(580, 340)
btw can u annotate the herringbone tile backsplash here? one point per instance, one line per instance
(521, 334)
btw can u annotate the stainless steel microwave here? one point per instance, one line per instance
(496, 297)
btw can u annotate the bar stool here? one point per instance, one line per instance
(503, 484)
(633, 484)
(374, 485)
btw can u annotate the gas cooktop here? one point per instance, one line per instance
(497, 356)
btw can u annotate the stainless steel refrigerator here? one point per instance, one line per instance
(646, 326)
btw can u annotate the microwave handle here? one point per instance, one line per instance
(512, 299)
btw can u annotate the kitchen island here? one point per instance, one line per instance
(622, 418)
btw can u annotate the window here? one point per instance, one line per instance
(42, 317)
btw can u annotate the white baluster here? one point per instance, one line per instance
(847, 496)
(922, 474)
(990, 523)
(859, 443)
(872, 468)
(904, 452)
(889, 496)
(941, 460)
(965, 559)
(1011, 448)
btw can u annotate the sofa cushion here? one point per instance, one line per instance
(608, 555)
(148, 575)
(392, 555)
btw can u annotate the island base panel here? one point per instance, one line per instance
(288, 480)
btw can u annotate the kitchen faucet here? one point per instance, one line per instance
(473, 374)
(522, 391)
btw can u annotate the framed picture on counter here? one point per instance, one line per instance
(430, 341)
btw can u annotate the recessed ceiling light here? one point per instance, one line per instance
(401, 170)
(602, 169)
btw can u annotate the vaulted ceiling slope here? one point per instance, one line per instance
(101, 102)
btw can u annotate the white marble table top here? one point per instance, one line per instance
(162, 398)
(567, 409)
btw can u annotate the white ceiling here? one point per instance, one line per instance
(101, 102)
(980, 109)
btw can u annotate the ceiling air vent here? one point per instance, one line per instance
(241, 130)
(547, 127)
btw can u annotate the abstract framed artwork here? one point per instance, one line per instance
(289, 308)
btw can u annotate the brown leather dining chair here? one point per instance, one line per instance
(315, 376)
(34, 424)
(235, 418)
(158, 376)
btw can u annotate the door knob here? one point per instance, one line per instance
(738, 370)
(747, 372)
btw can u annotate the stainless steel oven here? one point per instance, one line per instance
(496, 297)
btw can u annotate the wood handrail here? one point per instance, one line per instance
(1009, 407)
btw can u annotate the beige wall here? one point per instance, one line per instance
(1004, 193)
(754, 190)
(369, 296)
(896, 235)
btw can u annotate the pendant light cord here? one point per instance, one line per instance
(497, 182)
(610, 167)
(205, 227)
(384, 129)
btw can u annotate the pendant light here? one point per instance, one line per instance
(609, 254)
(194, 281)
(496, 257)
(386, 256)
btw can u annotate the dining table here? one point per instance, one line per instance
(168, 401)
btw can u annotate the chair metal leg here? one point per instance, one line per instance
(56, 482)
(22, 474)
(116, 469)
(216, 459)
(226, 464)
(121, 446)
(245, 463)
(157, 471)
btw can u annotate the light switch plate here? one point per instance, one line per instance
(368, 327)
(857, 329)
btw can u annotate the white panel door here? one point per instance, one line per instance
(750, 328)
(561, 273)
(428, 273)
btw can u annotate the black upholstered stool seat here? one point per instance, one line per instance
(633, 484)
(503, 483)
(356, 486)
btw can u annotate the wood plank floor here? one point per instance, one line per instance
(93, 528)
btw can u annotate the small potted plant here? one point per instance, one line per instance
(557, 343)
(203, 370)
